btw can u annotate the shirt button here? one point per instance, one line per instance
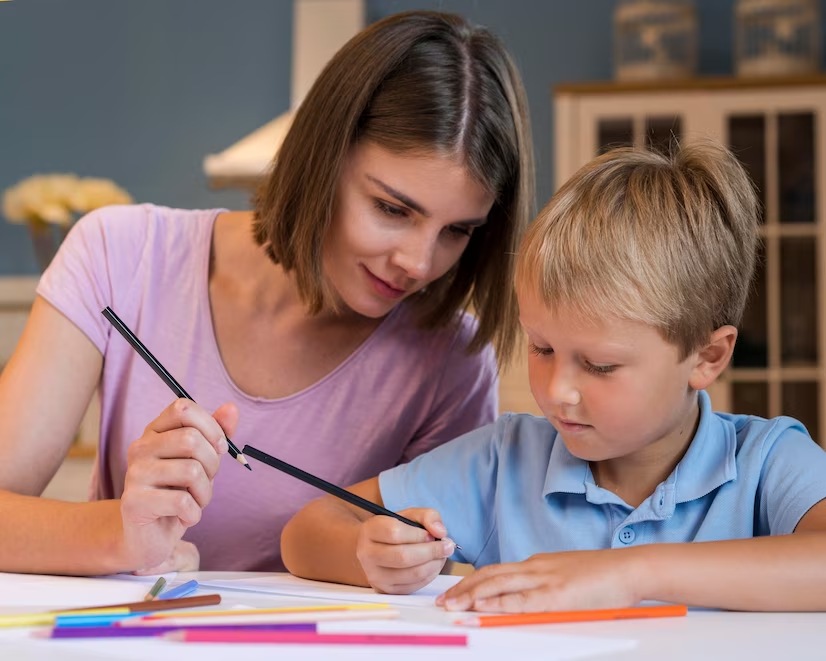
(627, 535)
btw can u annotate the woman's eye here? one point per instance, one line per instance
(540, 351)
(390, 210)
(460, 230)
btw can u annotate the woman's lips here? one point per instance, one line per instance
(384, 288)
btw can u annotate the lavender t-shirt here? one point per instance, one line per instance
(401, 393)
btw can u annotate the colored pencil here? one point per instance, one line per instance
(182, 590)
(554, 617)
(329, 487)
(86, 620)
(146, 632)
(160, 370)
(157, 605)
(276, 610)
(155, 589)
(48, 617)
(271, 618)
(297, 637)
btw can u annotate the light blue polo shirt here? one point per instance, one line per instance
(512, 489)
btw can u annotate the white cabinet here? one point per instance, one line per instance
(776, 128)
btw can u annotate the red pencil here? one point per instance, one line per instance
(554, 617)
(309, 638)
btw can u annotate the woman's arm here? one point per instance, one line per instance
(44, 392)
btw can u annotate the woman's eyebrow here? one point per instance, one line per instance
(401, 197)
(418, 208)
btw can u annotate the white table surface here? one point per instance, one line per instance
(703, 635)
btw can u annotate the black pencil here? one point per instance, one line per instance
(160, 370)
(329, 487)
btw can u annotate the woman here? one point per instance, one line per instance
(325, 327)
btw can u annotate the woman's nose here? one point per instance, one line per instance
(415, 255)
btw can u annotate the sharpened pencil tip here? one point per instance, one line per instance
(241, 459)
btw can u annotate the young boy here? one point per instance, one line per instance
(631, 283)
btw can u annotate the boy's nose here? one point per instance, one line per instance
(562, 388)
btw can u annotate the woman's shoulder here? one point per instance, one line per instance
(143, 220)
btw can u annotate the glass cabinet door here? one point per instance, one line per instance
(775, 368)
(658, 132)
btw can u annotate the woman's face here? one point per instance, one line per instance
(401, 221)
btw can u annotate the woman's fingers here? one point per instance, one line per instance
(184, 557)
(186, 413)
(145, 505)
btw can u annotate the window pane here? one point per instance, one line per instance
(747, 139)
(798, 301)
(750, 398)
(662, 133)
(800, 401)
(751, 349)
(796, 167)
(614, 133)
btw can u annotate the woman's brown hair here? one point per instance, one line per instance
(413, 82)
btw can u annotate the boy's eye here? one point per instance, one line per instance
(540, 351)
(390, 210)
(599, 369)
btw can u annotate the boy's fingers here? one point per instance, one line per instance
(403, 556)
(429, 518)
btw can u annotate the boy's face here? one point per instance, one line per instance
(612, 388)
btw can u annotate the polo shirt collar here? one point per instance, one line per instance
(708, 463)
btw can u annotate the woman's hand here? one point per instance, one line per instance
(170, 470)
(548, 582)
(398, 558)
(184, 557)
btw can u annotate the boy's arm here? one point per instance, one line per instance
(782, 573)
(331, 540)
(320, 541)
(779, 573)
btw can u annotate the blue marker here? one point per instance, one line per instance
(182, 590)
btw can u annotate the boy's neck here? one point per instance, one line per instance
(635, 477)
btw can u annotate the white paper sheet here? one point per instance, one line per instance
(285, 584)
(33, 592)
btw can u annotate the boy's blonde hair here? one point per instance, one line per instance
(666, 240)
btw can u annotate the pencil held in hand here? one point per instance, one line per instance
(329, 487)
(160, 370)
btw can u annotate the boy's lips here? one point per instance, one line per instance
(568, 424)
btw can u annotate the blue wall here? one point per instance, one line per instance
(140, 91)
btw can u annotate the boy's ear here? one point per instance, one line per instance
(713, 358)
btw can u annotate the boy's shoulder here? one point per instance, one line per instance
(754, 429)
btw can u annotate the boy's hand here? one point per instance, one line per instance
(398, 558)
(579, 580)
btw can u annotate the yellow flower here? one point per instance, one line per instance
(56, 198)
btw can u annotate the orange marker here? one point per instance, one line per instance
(558, 617)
